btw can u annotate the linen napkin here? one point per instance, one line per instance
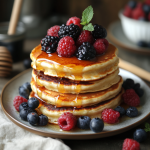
(13, 137)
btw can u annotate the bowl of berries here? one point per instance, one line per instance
(135, 20)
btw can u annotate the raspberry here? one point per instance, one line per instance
(138, 13)
(110, 116)
(17, 101)
(147, 2)
(131, 98)
(127, 11)
(74, 20)
(53, 31)
(130, 144)
(101, 45)
(66, 47)
(67, 121)
(85, 36)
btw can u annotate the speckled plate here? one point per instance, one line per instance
(117, 36)
(11, 90)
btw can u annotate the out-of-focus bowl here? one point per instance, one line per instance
(135, 30)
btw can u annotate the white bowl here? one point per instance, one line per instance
(135, 30)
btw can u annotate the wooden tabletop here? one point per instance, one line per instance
(109, 143)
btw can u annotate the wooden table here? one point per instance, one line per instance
(109, 143)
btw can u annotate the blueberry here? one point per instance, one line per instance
(33, 118)
(27, 86)
(33, 102)
(146, 8)
(27, 63)
(24, 112)
(43, 120)
(139, 92)
(121, 110)
(23, 105)
(140, 135)
(132, 4)
(130, 82)
(132, 112)
(142, 44)
(96, 125)
(24, 92)
(83, 122)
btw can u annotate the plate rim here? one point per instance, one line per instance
(66, 135)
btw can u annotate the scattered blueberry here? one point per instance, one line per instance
(33, 102)
(33, 118)
(140, 135)
(27, 63)
(132, 4)
(139, 92)
(146, 8)
(96, 125)
(43, 120)
(132, 112)
(27, 86)
(142, 44)
(121, 110)
(83, 122)
(23, 105)
(24, 92)
(24, 112)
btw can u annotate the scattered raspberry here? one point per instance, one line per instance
(66, 47)
(110, 116)
(147, 2)
(149, 16)
(101, 45)
(74, 20)
(131, 98)
(67, 121)
(53, 31)
(85, 36)
(17, 101)
(139, 5)
(138, 13)
(130, 144)
(127, 11)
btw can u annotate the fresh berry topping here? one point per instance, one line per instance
(86, 52)
(147, 2)
(43, 120)
(66, 47)
(85, 36)
(83, 122)
(130, 82)
(71, 30)
(27, 86)
(24, 92)
(101, 46)
(27, 63)
(33, 102)
(131, 98)
(17, 101)
(96, 125)
(53, 31)
(127, 11)
(99, 32)
(74, 20)
(130, 144)
(132, 4)
(121, 110)
(33, 118)
(67, 121)
(139, 92)
(140, 135)
(142, 44)
(49, 44)
(110, 116)
(23, 105)
(132, 112)
(136, 86)
(138, 13)
(146, 8)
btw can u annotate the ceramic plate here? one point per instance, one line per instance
(117, 36)
(11, 90)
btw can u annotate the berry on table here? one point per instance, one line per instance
(110, 116)
(97, 125)
(130, 144)
(132, 112)
(53, 31)
(43, 120)
(17, 101)
(74, 20)
(86, 52)
(100, 46)
(83, 122)
(66, 47)
(24, 92)
(121, 110)
(33, 118)
(131, 98)
(33, 102)
(23, 105)
(67, 121)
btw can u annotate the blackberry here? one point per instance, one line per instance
(99, 32)
(86, 51)
(49, 44)
(71, 30)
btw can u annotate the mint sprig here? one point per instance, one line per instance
(147, 127)
(87, 16)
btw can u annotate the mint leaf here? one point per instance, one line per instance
(89, 27)
(83, 23)
(147, 127)
(87, 14)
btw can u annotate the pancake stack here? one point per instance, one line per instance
(81, 87)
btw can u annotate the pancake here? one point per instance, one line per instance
(53, 112)
(64, 85)
(75, 100)
(74, 69)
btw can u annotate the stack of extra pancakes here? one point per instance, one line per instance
(77, 86)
